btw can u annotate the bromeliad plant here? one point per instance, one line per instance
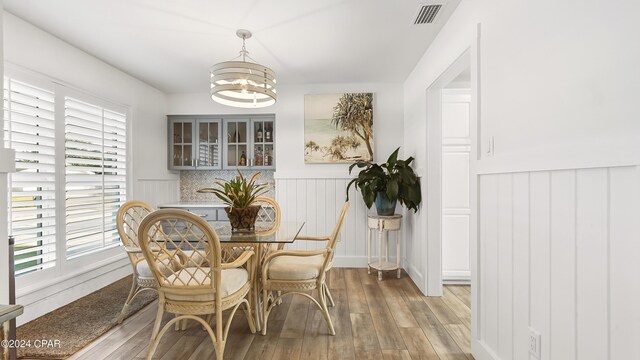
(391, 181)
(238, 192)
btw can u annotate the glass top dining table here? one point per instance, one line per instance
(287, 232)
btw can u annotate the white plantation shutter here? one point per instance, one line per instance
(95, 168)
(29, 123)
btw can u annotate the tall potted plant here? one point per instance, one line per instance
(387, 183)
(239, 194)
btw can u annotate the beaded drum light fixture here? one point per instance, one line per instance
(240, 83)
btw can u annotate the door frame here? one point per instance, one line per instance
(432, 252)
(434, 170)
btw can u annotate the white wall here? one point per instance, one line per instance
(540, 65)
(34, 50)
(558, 85)
(314, 192)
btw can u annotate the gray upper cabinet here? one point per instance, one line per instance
(263, 149)
(208, 150)
(212, 142)
(250, 142)
(195, 143)
(181, 144)
(236, 132)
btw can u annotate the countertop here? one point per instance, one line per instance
(194, 205)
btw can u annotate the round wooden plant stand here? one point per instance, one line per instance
(383, 224)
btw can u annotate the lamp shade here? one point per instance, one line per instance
(243, 84)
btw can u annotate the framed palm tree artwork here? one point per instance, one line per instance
(338, 128)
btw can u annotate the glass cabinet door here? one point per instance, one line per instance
(263, 143)
(208, 151)
(182, 144)
(237, 135)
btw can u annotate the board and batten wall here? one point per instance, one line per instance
(157, 191)
(559, 253)
(318, 202)
(315, 193)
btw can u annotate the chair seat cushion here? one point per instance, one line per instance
(193, 258)
(232, 280)
(143, 270)
(295, 267)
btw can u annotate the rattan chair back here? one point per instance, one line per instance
(185, 239)
(130, 216)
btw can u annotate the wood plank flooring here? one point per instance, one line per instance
(373, 320)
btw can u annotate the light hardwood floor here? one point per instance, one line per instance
(373, 320)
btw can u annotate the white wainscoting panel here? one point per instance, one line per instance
(559, 253)
(157, 191)
(317, 202)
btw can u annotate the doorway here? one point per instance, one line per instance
(456, 202)
(452, 149)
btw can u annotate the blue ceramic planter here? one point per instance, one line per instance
(385, 207)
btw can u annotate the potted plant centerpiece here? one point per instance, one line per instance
(239, 194)
(387, 183)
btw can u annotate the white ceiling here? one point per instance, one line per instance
(172, 44)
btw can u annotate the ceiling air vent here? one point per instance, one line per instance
(427, 14)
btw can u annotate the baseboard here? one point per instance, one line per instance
(47, 299)
(417, 278)
(456, 277)
(480, 351)
(456, 282)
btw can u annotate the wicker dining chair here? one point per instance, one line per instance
(269, 215)
(195, 288)
(294, 271)
(130, 216)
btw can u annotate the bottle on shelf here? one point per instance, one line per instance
(259, 157)
(268, 158)
(267, 133)
(243, 159)
(259, 133)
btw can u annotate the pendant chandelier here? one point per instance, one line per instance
(242, 83)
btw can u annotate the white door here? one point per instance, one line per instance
(456, 211)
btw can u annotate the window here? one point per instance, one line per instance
(95, 172)
(70, 178)
(29, 128)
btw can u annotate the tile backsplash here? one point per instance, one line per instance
(191, 181)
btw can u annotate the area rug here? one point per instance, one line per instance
(79, 323)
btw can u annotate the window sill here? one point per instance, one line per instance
(30, 287)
